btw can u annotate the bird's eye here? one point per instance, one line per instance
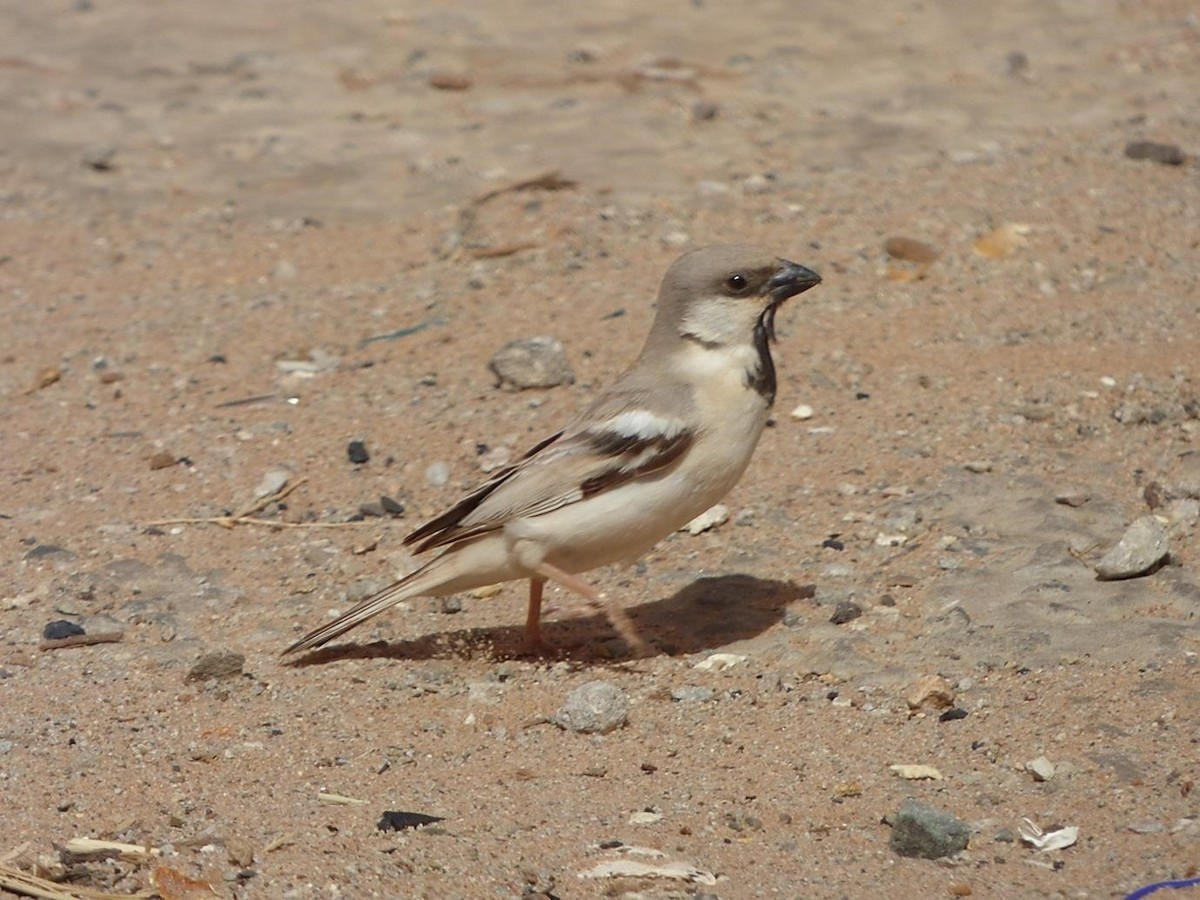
(736, 282)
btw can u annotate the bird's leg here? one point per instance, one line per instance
(616, 615)
(534, 645)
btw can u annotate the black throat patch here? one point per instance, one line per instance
(763, 381)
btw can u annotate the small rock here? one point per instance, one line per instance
(100, 157)
(803, 412)
(356, 452)
(390, 506)
(6, 747)
(537, 362)
(978, 466)
(594, 708)
(710, 518)
(720, 661)
(449, 81)
(645, 817)
(216, 665)
(915, 772)
(693, 694)
(437, 474)
(1141, 549)
(704, 111)
(272, 483)
(1003, 242)
(1041, 769)
(1073, 499)
(451, 605)
(910, 250)
(371, 510)
(1166, 154)
(930, 691)
(922, 831)
(845, 611)
(162, 460)
(395, 820)
(61, 628)
(1139, 827)
(952, 715)
(758, 184)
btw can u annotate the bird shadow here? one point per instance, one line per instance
(709, 612)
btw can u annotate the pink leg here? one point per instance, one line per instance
(616, 615)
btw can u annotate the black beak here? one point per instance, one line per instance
(791, 279)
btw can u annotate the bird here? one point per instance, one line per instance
(665, 442)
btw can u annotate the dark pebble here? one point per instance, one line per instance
(833, 544)
(357, 451)
(392, 507)
(611, 844)
(451, 605)
(951, 714)
(394, 820)
(846, 611)
(61, 628)
(372, 509)
(1167, 154)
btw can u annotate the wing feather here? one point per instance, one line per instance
(565, 468)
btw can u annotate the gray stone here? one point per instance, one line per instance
(1142, 547)
(693, 694)
(922, 831)
(536, 362)
(594, 708)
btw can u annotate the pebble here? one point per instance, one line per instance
(1041, 769)
(449, 81)
(1142, 547)
(693, 694)
(162, 460)
(437, 474)
(803, 412)
(930, 691)
(451, 605)
(395, 820)
(978, 466)
(216, 665)
(1136, 827)
(1166, 154)
(371, 510)
(916, 772)
(709, 519)
(272, 483)
(6, 747)
(910, 250)
(390, 506)
(704, 111)
(61, 628)
(846, 611)
(921, 831)
(1073, 499)
(594, 708)
(536, 362)
(356, 452)
(100, 157)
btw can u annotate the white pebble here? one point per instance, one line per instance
(802, 412)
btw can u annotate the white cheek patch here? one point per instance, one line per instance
(717, 321)
(642, 424)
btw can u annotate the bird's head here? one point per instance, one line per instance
(728, 293)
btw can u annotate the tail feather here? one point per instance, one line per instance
(413, 585)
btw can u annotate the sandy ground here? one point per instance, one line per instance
(237, 237)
